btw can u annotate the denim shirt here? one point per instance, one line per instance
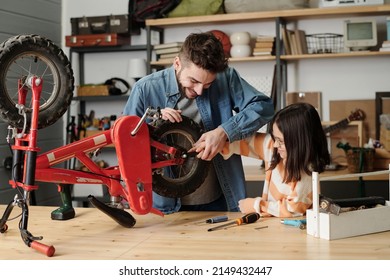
(227, 94)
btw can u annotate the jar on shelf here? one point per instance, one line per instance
(240, 44)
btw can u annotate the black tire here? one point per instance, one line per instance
(24, 56)
(179, 180)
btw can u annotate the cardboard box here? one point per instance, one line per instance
(349, 224)
(93, 90)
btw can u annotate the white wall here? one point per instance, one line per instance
(337, 79)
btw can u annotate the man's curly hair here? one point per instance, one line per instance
(205, 51)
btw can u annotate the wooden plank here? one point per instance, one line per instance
(340, 109)
(313, 98)
(257, 174)
(267, 15)
(334, 55)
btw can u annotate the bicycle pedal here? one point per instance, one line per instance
(122, 217)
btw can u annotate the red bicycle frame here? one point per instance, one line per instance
(131, 180)
(132, 148)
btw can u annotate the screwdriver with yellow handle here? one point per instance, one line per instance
(247, 219)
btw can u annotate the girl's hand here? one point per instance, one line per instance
(246, 205)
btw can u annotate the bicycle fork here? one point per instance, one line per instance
(24, 166)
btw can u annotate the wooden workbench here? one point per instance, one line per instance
(182, 236)
(257, 173)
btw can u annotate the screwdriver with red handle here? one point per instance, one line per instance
(247, 219)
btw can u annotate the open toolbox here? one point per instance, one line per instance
(327, 225)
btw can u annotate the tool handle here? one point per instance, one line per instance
(217, 219)
(249, 218)
(43, 248)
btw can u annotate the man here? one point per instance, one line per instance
(201, 86)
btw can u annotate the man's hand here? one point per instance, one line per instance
(210, 143)
(171, 115)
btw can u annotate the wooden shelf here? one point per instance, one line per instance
(279, 17)
(165, 62)
(334, 55)
(104, 98)
(270, 15)
(285, 14)
(255, 173)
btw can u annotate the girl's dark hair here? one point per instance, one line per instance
(205, 51)
(304, 140)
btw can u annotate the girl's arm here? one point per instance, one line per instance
(284, 200)
(251, 147)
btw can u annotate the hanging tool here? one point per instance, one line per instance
(247, 219)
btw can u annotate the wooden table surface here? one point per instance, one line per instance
(182, 236)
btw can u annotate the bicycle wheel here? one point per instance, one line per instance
(25, 56)
(178, 180)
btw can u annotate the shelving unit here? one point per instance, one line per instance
(81, 51)
(83, 100)
(280, 18)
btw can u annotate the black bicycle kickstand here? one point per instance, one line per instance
(28, 238)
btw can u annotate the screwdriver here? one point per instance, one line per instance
(218, 219)
(247, 219)
(295, 223)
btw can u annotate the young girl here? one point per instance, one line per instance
(295, 146)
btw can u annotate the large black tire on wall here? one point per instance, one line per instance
(179, 180)
(25, 56)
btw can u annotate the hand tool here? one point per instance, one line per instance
(261, 227)
(247, 219)
(217, 219)
(295, 223)
(335, 206)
